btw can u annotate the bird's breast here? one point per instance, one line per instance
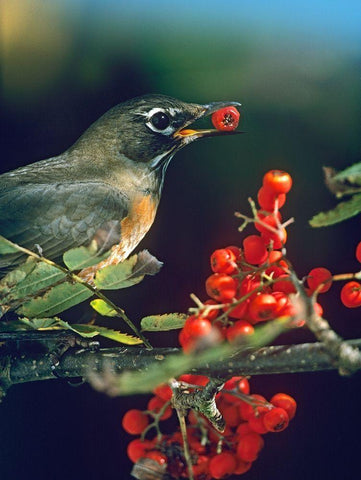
(133, 227)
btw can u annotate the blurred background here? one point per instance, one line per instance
(296, 68)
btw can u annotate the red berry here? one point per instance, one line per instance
(276, 257)
(202, 465)
(226, 119)
(249, 447)
(137, 449)
(276, 420)
(223, 261)
(284, 284)
(135, 421)
(192, 379)
(263, 307)
(239, 329)
(255, 251)
(351, 294)
(197, 327)
(231, 415)
(317, 276)
(157, 456)
(242, 467)
(318, 309)
(236, 251)
(221, 287)
(222, 464)
(358, 252)
(163, 391)
(249, 284)
(244, 429)
(236, 311)
(267, 200)
(243, 386)
(277, 181)
(256, 423)
(155, 404)
(286, 402)
(211, 314)
(270, 220)
(247, 410)
(278, 239)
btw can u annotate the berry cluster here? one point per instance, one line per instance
(213, 455)
(252, 284)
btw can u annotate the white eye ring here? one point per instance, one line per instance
(165, 131)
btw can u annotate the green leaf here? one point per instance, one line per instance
(7, 247)
(15, 276)
(168, 321)
(82, 257)
(118, 276)
(103, 308)
(39, 278)
(343, 211)
(127, 273)
(90, 331)
(351, 175)
(41, 323)
(55, 300)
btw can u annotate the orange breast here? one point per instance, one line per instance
(133, 227)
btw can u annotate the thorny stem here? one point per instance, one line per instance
(75, 278)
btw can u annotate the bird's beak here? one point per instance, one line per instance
(188, 134)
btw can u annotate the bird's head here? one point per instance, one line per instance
(150, 129)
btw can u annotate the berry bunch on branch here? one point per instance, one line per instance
(221, 424)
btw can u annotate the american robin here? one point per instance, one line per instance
(106, 187)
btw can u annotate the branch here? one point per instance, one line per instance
(31, 367)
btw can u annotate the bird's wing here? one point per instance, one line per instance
(59, 216)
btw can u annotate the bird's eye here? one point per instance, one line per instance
(160, 121)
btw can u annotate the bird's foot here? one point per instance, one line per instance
(62, 346)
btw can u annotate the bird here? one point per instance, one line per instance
(105, 189)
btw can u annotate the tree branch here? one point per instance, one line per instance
(22, 367)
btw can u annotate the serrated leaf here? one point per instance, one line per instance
(118, 276)
(39, 278)
(90, 331)
(343, 211)
(127, 273)
(82, 257)
(103, 308)
(11, 279)
(41, 323)
(7, 247)
(165, 322)
(56, 300)
(351, 174)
